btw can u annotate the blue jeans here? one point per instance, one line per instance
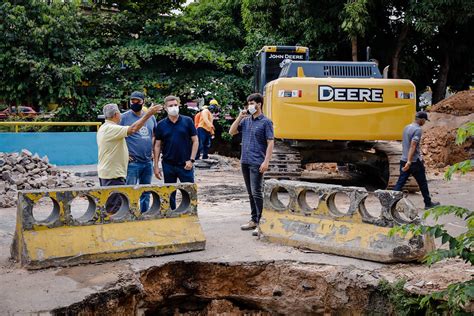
(204, 143)
(140, 173)
(417, 169)
(171, 174)
(254, 184)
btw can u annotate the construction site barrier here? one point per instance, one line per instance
(101, 235)
(353, 232)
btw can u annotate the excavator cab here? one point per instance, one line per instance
(271, 59)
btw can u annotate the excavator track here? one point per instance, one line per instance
(393, 152)
(285, 163)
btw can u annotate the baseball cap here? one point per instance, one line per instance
(137, 95)
(422, 115)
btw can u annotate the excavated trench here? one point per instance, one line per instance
(261, 288)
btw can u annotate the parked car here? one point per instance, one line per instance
(22, 111)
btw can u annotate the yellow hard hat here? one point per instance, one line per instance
(213, 102)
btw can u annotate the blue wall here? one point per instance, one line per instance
(61, 148)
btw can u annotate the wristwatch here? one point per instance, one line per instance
(192, 160)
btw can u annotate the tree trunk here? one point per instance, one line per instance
(354, 48)
(398, 49)
(440, 85)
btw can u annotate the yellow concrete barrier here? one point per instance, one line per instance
(101, 234)
(325, 227)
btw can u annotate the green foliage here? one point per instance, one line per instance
(402, 302)
(356, 17)
(69, 51)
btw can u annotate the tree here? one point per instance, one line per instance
(355, 19)
(446, 23)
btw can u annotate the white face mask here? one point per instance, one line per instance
(173, 110)
(252, 109)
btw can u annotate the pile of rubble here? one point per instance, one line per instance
(26, 171)
(438, 142)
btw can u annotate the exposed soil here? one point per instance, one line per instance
(256, 288)
(460, 104)
(439, 134)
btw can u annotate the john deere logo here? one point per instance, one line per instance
(328, 93)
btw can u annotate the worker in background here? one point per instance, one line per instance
(205, 130)
(257, 148)
(113, 150)
(177, 139)
(140, 147)
(411, 162)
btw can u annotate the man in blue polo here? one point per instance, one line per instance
(257, 148)
(177, 141)
(140, 146)
(412, 162)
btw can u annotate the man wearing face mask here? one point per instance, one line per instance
(257, 148)
(177, 140)
(113, 151)
(140, 146)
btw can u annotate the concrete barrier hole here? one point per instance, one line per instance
(154, 203)
(182, 201)
(371, 207)
(308, 200)
(280, 198)
(404, 211)
(83, 208)
(117, 205)
(339, 203)
(46, 210)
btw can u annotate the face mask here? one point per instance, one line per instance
(136, 107)
(252, 109)
(173, 110)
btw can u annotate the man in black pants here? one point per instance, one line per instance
(411, 162)
(257, 148)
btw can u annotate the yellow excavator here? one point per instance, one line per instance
(341, 112)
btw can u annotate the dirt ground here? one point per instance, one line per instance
(223, 206)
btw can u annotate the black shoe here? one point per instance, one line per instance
(431, 205)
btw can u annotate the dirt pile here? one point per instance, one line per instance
(460, 104)
(26, 171)
(439, 135)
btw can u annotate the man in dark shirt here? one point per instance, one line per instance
(257, 148)
(411, 162)
(177, 140)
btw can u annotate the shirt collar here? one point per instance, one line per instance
(110, 122)
(258, 117)
(179, 119)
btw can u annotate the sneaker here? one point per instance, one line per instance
(431, 205)
(256, 232)
(249, 226)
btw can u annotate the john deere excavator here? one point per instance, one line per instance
(343, 112)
